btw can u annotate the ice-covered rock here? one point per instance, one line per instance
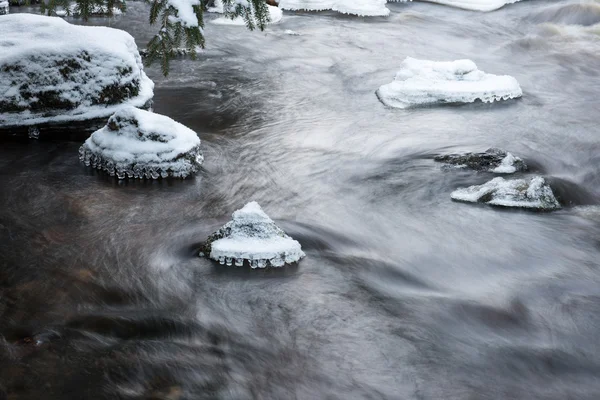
(422, 82)
(4, 8)
(492, 160)
(140, 144)
(55, 72)
(253, 237)
(475, 5)
(533, 193)
(364, 8)
(275, 16)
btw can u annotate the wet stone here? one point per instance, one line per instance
(492, 160)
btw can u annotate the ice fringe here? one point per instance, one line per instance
(253, 237)
(422, 82)
(492, 160)
(140, 144)
(533, 193)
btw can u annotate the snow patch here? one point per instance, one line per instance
(363, 8)
(52, 71)
(253, 237)
(422, 82)
(532, 193)
(140, 144)
(4, 7)
(96, 10)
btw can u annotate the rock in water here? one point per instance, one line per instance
(363, 8)
(140, 144)
(53, 72)
(4, 7)
(422, 82)
(253, 237)
(532, 193)
(492, 160)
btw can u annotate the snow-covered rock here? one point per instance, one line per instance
(364, 8)
(422, 82)
(275, 16)
(97, 10)
(4, 7)
(533, 193)
(475, 5)
(492, 160)
(140, 144)
(253, 237)
(55, 72)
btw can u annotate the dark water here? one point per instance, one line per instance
(403, 293)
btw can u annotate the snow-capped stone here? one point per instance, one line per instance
(474, 5)
(533, 193)
(4, 7)
(423, 82)
(55, 72)
(492, 160)
(140, 144)
(275, 16)
(253, 237)
(363, 8)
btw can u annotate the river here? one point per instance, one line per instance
(403, 294)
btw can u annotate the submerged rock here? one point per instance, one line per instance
(253, 237)
(52, 72)
(533, 193)
(422, 82)
(492, 160)
(140, 144)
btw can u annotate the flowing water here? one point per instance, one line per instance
(403, 294)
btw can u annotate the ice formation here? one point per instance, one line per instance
(422, 82)
(140, 144)
(253, 237)
(492, 160)
(275, 15)
(475, 5)
(364, 8)
(97, 10)
(52, 71)
(533, 193)
(4, 7)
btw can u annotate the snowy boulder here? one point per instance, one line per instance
(475, 5)
(53, 72)
(253, 237)
(140, 144)
(533, 193)
(492, 160)
(363, 8)
(422, 82)
(4, 7)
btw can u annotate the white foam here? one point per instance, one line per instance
(422, 82)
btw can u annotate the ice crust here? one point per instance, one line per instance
(253, 237)
(492, 160)
(474, 5)
(364, 8)
(533, 193)
(140, 144)
(423, 82)
(275, 16)
(92, 61)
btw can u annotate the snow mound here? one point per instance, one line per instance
(363, 8)
(140, 144)
(492, 160)
(275, 16)
(52, 71)
(253, 237)
(422, 82)
(532, 193)
(474, 5)
(4, 7)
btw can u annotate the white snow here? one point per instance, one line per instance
(421, 82)
(254, 237)
(96, 10)
(32, 47)
(4, 7)
(532, 193)
(185, 11)
(275, 16)
(474, 5)
(138, 143)
(507, 166)
(364, 8)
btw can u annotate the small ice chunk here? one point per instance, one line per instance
(422, 82)
(363, 8)
(252, 236)
(533, 193)
(142, 144)
(492, 160)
